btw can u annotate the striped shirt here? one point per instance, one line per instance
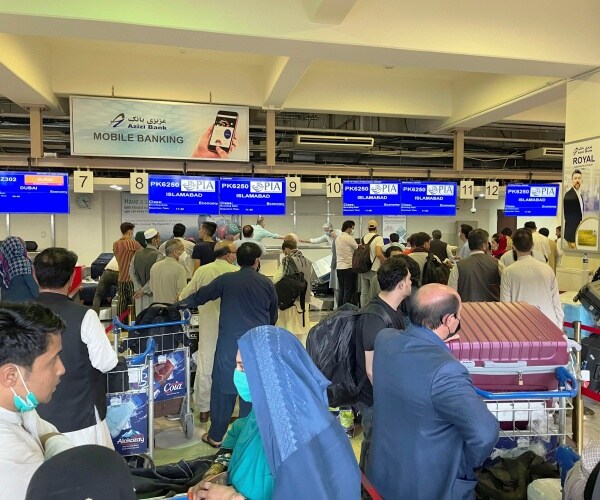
(124, 248)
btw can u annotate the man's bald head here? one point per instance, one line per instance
(226, 250)
(431, 303)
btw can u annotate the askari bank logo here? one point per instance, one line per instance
(266, 187)
(383, 188)
(117, 120)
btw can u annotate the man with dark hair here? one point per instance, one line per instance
(553, 257)
(124, 250)
(531, 281)
(420, 251)
(477, 278)
(447, 418)
(573, 208)
(413, 269)
(78, 407)
(203, 252)
(186, 258)
(225, 256)
(139, 269)
(248, 299)
(345, 245)
(440, 248)
(30, 370)
(381, 312)
(463, 235)
(248, 237)
(541, 243)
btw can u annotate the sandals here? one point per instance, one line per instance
(209, 441)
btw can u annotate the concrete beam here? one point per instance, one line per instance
(285, 75)
(485, 99)
(25, 72)
(328, 11)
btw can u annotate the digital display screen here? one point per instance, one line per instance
(531, 199)
(34, 193)
(428, 198)
(174, 194)
(245, 195)
(371, 198)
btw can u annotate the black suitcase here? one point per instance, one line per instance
(589, 296)
(590, 359)
(99, 264)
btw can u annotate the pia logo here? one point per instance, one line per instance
(117, 120)
(266, 187)
(386, 189)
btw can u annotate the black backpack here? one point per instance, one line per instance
(156, 313)
(361, 258)
(291, 287)
(434, 271)
(331, 344)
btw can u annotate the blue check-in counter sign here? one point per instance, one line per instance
(371, 198)
(428, 198)
(252, 196)
(531, 199)
(184, 195)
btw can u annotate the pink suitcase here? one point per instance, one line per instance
(509, 346)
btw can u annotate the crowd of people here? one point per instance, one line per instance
(286, 443)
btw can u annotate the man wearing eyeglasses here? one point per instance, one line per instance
(426, 406)
(167, 277)
(208, 314)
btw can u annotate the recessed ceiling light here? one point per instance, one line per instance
(118, 188)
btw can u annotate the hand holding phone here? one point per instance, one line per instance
(220, 139)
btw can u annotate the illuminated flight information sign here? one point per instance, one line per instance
(371, 198)
(428, 198)
(531, 199)
(174, 194)
(246, 195)
(34, 193)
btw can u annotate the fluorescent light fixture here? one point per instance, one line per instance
(118, 188)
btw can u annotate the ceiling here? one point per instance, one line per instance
(389, 68)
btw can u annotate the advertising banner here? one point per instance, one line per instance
(428, 198)
(395, 224)
(581, 195)
(169, 375)
(539, 200)
(34, 193)
(127, 419)
(246, 195)
(158, 129)
(371, 198)
(175, 194)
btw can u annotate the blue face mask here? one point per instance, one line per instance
(241, 384)
(29, 403)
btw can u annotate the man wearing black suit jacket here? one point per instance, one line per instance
(573, 208)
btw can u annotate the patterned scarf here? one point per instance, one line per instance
(299, 434)
(295, 255)
(13, 260)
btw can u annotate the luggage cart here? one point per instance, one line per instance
(130, 408)
(530, 416)
(168, 360)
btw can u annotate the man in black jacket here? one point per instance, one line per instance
(78, 407)
(573, 208)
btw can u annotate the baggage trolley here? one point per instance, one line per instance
(167, 378)
(531, 417)
(130, 408)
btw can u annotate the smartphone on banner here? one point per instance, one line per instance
(223, 131)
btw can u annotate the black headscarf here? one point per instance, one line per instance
(84, 472)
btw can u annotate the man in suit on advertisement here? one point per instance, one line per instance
(573, 208)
